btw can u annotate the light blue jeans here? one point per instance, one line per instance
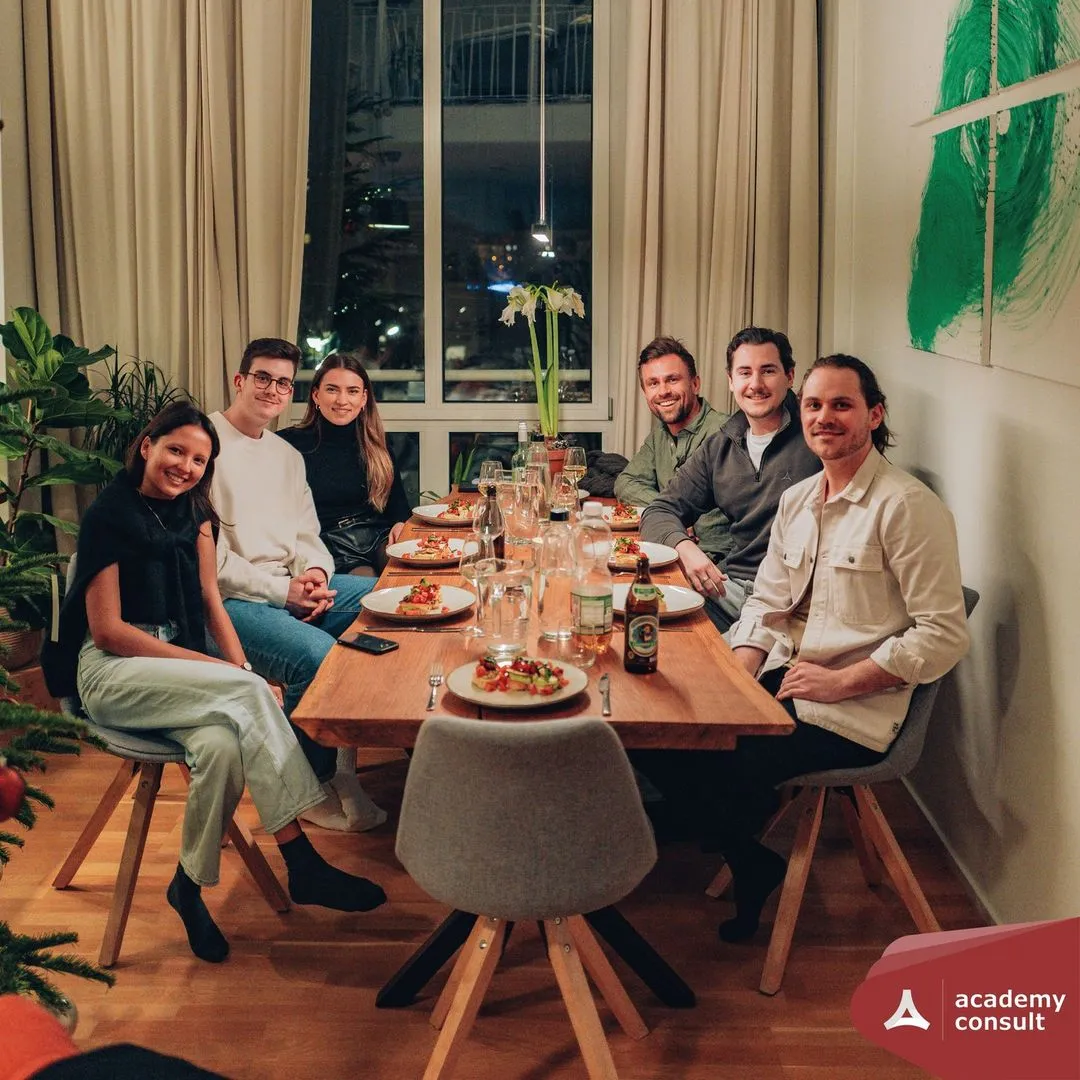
(289, 651)
(232, 731)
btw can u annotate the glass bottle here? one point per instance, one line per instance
(489, 524)
(556, 571)
(642, 622)
(521, 455)
(590, 593)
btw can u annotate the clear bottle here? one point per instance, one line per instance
(590, 593)
(539, 471)
(489, 524)
(521, 455)
(555, 575)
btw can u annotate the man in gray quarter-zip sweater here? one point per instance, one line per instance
(741, 470)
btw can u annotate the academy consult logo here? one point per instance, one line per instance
(999, 1003)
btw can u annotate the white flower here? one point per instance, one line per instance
(509, 313)
(528, 308)
(557, 299)
(577, 305)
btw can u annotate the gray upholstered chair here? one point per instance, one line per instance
(535, 820)
(144, 754)
(875, 842)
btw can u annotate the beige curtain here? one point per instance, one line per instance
(715, 212)
(167, 142)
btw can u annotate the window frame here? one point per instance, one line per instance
(434, 419)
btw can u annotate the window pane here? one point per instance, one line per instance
(405, 446)
(491, 190)
(469, 448)
(363, 261)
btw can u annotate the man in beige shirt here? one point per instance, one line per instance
(857, 601)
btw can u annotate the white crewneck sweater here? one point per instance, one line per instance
(269, 528)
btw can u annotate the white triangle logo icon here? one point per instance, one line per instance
(906, 1014)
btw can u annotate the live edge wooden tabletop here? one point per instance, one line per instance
(700, 698)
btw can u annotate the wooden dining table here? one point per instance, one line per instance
(700, 698)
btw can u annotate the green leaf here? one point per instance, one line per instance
(69, 527)
(69, 412)
(26, 336)
(74, 472)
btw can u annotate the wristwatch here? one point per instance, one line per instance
(247, 666)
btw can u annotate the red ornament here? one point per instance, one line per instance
(12, 790)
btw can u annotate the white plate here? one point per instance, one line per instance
(609, 510)
(384, 602)
(460, 684)
(659, 555)
(431, 513)
(678, 600)
(407, 547)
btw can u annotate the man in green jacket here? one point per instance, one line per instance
(670, 382)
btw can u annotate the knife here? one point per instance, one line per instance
(605, 694)
(412, 629)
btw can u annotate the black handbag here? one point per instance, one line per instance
(357, 542)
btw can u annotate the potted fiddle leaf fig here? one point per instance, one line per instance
(46, 393)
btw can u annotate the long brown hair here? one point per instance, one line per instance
(177, 415)
(370, 433)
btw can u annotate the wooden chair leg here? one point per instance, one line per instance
(570, 975)
(599, 969)
(722, 882)
(130, 860)
(864, 847)
(446, 998)
(899, 869)
(98, 820)
(258, 867)
(475, 979)
(806, 834)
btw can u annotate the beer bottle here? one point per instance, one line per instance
(642, 622)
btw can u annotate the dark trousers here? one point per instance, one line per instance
(730, 794)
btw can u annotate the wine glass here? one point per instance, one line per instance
(489, 471)
(574, 465)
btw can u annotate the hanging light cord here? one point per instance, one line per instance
(543, 111)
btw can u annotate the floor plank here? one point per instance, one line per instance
(296, 997)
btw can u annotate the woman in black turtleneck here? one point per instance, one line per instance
(356, 486)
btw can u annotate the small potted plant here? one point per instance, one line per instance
(554, 300)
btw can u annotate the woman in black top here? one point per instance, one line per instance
(356, 486)
(133, 642)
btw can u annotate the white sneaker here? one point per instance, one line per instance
(329, 813)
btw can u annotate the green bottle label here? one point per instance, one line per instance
(644, 592)
(643, 635)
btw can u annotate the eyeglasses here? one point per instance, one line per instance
(263, 379)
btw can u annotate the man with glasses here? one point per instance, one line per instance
(667, 374)
(276, 576)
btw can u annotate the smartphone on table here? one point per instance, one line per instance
(367, 642)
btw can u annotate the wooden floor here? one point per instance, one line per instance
(295, 999)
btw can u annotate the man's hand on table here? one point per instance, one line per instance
(395, 532)
(702, 573)
(309, 596)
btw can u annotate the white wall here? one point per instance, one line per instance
(1000, 777)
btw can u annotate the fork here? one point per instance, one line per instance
(435, 680)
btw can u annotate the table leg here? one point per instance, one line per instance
(409, 979)
(653, 970)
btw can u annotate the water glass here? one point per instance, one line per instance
(504, 589)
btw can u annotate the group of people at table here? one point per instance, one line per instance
(212, 579)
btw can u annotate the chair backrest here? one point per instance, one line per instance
(523, 819)
(907, 747)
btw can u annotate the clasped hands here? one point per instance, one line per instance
(309, 595)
